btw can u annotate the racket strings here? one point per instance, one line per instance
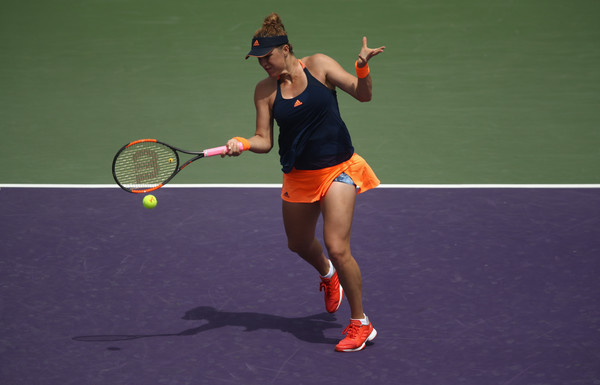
(145, 165)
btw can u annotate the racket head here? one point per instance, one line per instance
(144, 165)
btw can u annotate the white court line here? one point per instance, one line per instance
(173, 185)
(474, 186)
(275, 185)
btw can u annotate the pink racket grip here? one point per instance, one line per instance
(219, 150)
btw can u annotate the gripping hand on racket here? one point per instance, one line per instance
(235, 146)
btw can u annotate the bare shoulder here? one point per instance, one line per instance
(267, 84)
(326, 69)
(317, 59)
(321, 66)
(319, 62)
(265, 89)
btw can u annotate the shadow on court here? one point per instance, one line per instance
(309, 329)
(465, 286)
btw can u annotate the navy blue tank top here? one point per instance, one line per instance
(312, 134)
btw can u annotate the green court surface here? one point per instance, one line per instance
(468, 91)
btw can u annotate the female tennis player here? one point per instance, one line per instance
(322, 173)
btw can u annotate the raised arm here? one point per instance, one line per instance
(360, 86)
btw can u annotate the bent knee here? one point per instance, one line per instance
(296, 247)
(302, 246)
(339, 253)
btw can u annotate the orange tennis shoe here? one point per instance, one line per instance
(357, 336)
(333, 292)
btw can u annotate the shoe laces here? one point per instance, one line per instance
(325, 284)
(352, 330)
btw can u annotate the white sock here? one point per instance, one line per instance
(364, 321)
(331, 270)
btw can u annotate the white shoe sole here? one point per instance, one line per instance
(370, 338)
(341, 298)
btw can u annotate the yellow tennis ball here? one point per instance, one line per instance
(149, 201)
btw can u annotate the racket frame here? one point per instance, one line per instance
(197, 155)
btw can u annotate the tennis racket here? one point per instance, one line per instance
(148, 164)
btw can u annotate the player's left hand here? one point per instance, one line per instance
(367, 53)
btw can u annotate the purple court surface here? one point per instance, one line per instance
(465, 286)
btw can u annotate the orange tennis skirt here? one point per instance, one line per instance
(307, 186)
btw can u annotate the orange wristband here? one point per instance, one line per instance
(362, 72)
(245, 142)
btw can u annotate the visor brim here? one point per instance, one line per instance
(262, 46)
(260, 52)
